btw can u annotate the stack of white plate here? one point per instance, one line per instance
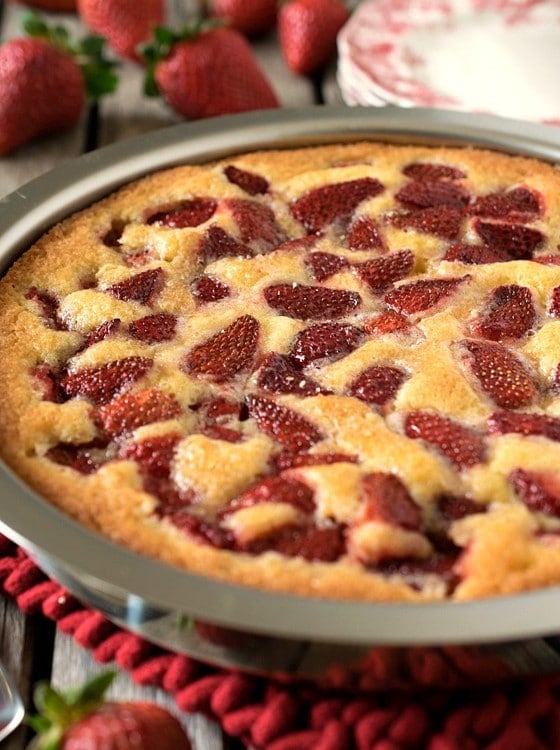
(495, 56)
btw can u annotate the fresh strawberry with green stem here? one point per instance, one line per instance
(126, 24)
(308, 30)
(45, 80)
(81, 718)
(250, 17)
(205, 71)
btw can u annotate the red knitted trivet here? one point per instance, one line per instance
(524, 715)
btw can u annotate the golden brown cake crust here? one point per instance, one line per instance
(332, 371)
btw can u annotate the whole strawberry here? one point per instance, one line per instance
(81, 720)
(43, 84)
(250, 17)
(125, 24)
(307, 30)
(205, 73)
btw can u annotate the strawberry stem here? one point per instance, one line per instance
(88, 52)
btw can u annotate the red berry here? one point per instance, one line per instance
(510, 314)
(278, 374)
(282, 424)
(287, 460)
(103, 383)
(153, 328)
(502, 422)
(540, 491)
(430, 171)
(501, 374)
(124, 23)
(325, 341)
(213, 73)
(227, 353)
(188, 213)
(442, 221)
(380, 273)
(153, 455)
(378, 384)
(256, 222)
(311, 302)
(364, 234)
(251, 183)
(312, 543)
(307, 30)
(42, 91)
(387, 322)
(474, 254)
(85, 458)
(324, 265)
(209, 289)
(554, 307)
(327, 204)
(48, 305)
(132, 410)
(517, 204)
(253, 18)
(217, 243)
(48, 382)
(275, 490)
(387, 500)
(142, 287)
(462, 446)
(431, 193)
(517, 241)
(102, 332)
(421, 295)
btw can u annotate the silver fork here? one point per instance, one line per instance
(12, 710)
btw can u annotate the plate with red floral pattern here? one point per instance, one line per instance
(493, 56)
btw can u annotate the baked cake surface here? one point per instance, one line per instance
(332, 371)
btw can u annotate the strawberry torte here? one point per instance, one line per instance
(332, 371)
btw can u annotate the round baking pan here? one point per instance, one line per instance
(341, 644)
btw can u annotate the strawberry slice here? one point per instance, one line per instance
(380, 273)
(378, 384)
(431, 193)
(227, 353)
(503, 422)
(48, 306)
(217, 243)
(101, 384)
(387, 500)
(219, 432)
(387, 322)
(325, 341)
(519, 204)
(517, 241)
(413, 570)
(474, 254)
(462, 446)
(202, 531)
(364, 234)
(274, 490)
(501, 374)
(548, 260)
(441, 221)
(218, 409)
(510, 314)
(142, 287)
(48, 383)
(208, 289)
(452, 508)
(102, 332)
(287, 460)
(430, 171)
(324, 265)
(188, 213)
(126, 413)
(311, 302)
(250, 182)
(421, 295)
(256, 222)
(111, 237)
(153, 328)
(153, 455)
(554, 307)
(86, 458)
(329, 203)
(282, 424)
(278, 374)
(310, 542)
(540, 491)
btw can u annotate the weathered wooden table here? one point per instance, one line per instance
(31, 647)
